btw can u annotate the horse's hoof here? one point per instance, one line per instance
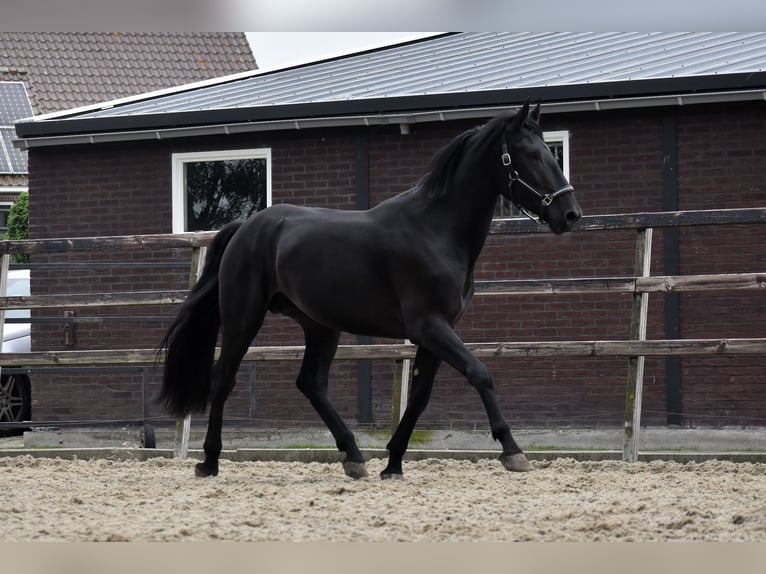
(516, 462)
(201, 470)
(391, 476)
(355, 470)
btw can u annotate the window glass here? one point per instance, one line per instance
(212, 189)
(5, 210)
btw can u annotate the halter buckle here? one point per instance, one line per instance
(506, 159)
(546, 200)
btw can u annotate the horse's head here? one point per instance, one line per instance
(535, 182)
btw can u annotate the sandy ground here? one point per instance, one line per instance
(439, 500)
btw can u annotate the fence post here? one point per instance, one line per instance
(401, 390)
(183, 425)
(5, 260)
(638, 317)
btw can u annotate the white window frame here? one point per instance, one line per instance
(560, 136)
(179, 181)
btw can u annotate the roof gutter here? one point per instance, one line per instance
(377, 119)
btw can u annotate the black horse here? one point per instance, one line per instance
(403, 269)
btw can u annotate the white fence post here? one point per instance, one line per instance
(401, 390)
(183, 425)
(5, 260)
(636, 364)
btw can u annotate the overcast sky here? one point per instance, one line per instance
(353, 15)
(277, 49)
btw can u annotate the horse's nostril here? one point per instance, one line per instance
(573, 217)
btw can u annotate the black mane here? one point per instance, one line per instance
(436, 182)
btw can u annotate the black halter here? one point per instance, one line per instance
(545, 198)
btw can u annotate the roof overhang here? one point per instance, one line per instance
(600, 96)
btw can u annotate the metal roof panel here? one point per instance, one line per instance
(465, 63)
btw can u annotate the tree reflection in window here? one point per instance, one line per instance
(218, 192)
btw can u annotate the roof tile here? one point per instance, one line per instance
(72, 69)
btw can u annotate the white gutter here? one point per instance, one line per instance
(389, 119)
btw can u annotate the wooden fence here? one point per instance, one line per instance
(634, 349)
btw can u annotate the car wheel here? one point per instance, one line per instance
(15, 401)
(148, 438)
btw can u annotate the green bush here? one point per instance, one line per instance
(18, 224)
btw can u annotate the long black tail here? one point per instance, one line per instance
(190, 341)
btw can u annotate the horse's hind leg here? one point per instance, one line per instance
(224, 377)
(321, 344)
(236, 337)
(424, 371)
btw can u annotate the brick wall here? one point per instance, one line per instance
(722, 164)
(616, 167)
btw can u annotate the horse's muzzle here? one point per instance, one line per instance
(571, 217)
(566, 218)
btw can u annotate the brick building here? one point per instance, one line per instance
(642, 122)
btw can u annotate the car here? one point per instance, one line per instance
(15, 386)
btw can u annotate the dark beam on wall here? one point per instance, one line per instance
(364, 368)
(671, 265)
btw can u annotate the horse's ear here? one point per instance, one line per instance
(518, 120)
(535, 114)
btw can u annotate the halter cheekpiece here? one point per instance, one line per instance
(545, 198)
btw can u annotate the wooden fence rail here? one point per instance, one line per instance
(399, 351)
(133, 243)
(637, 285)
(655, 284)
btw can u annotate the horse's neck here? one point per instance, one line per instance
(464, 216)
(474, 228)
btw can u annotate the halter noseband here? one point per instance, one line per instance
(545, 198)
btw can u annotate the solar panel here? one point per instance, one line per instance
(5, 158)
(14, 157)
(14, 105)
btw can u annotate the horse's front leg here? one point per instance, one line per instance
(321, 344)
(423, 373)
(443, 342)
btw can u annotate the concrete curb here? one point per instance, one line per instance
(330, 455)
(653, 439)
(317, 445)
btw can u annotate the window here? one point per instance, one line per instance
(5, 209)
(8, 196)
(558, 142)
(210, 189)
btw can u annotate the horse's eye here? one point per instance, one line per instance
(534, 156)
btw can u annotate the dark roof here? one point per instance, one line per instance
(69, 69)
(464, 73)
